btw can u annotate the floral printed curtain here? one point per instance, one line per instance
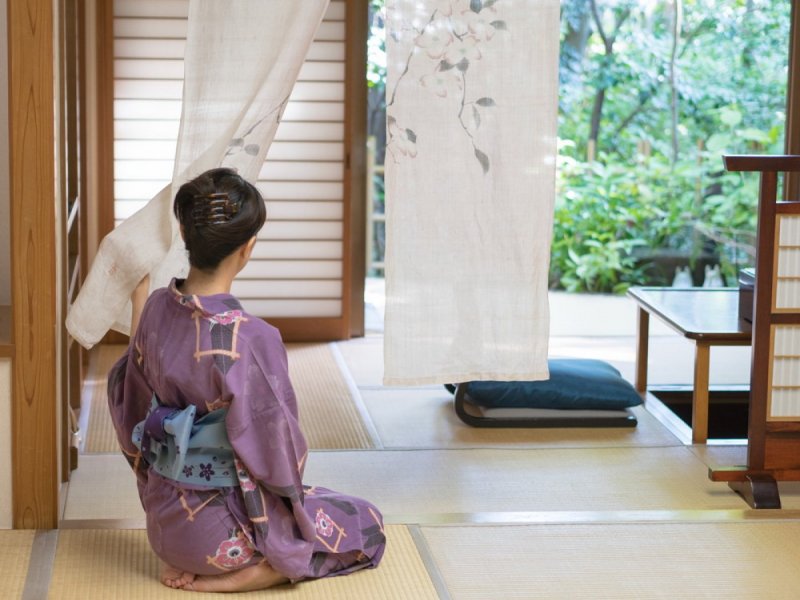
(241, 62)
(470, 175)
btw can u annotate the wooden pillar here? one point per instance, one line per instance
(104, 119)
(33, 263)
(792, 135)
(355, 166)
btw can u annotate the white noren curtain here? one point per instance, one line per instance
(470, 183)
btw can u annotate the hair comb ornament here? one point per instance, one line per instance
(213, 209)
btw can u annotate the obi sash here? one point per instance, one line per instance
(188, 450)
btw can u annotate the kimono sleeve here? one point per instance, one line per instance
(263, 429)
(128, 400)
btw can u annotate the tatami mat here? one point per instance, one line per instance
(103, 564)
(15, 553)
(430, 482)
(103, 487)
(329, 413)
(425, 418)
(619, 561)
(100, 436)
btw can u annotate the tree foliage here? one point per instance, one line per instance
(652, 93)
(678, 84)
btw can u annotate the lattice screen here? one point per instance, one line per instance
(784, 400)
(787, 291)
(785, 392)
(297, 269)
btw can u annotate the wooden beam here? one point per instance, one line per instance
(104, 36)
(33, 264)
(356, 167)
(757, 162)
(792, 132)
(762, 311)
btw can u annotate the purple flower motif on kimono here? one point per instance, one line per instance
(226, 318)
(206, 471)
(188, 470)
(324, 524)
(233, 552)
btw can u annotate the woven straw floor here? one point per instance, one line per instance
(420, 419)
(475, 513)
(15, 552)
(329, 415)
(119, 564)
(619, 561)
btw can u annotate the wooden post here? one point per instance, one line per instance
(355, 204)
(33, 264)
(773, 448)
(792, 136)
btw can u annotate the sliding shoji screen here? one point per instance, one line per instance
(297, 269)
(784, 393)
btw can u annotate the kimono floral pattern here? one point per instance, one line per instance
(448, 41)
(233, 553)
(224, 329)
(208, 351)
(324, 524)
(225, 318)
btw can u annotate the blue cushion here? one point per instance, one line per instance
(579, 384)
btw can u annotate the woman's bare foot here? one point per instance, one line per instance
(175, 578)
(248, 579)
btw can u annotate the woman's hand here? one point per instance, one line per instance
(138, 298)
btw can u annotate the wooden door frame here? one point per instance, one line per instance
(351, 321)
(34, 260)
(355, 191)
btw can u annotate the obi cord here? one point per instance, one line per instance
(188, 450)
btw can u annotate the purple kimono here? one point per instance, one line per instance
(207, 351)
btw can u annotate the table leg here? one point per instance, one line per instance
(700, 394)
(642, 338)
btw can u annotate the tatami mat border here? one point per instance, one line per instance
(525, 518)
(40, 567)
(427, 560)
(347, 377)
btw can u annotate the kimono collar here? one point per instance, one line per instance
(214, 305)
